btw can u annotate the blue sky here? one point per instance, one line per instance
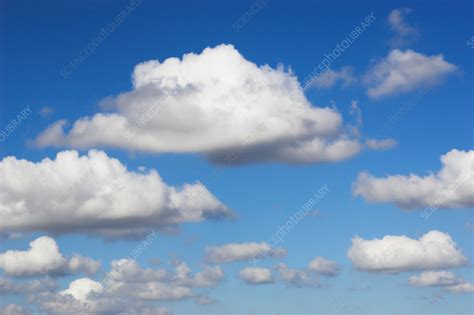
(420, 42)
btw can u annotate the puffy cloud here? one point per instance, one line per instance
(44, 258)
(404, 71)
(450, 187)
(130, 289)
(446, 279)
(86, 265)
(13, 309)
(383, 144)
(324, 266)
(404, 33)
(393, 254)
(82, 288)
(309, 276)
(434, 278)
(297, 277)
(96, 194)
(329, 78)
(256, 275)
(241, 251)
(215, 103)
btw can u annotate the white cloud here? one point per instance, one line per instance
(393, 254)
(215, 103)
(446, 279)
(241, 251)
(324, 266)
(256, 275)
(383, 144)
(87, 265)
(465, 287)
(434, 278)
(130, 289)
(450, 187)
(297, 277)
(329, 78)
(404, 33)
(44, 258)
(96, 194)
(404, 71)
(82, 288)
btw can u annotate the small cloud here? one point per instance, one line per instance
(404, 33)
(46, 111)
(383, 144)
(329, 78)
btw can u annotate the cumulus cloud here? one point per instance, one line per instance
(465, 287)
(434, 278)
(442, 278)
(256, 275)
(241, 251)
(217, 104)
(309, 276)
(96, 194)
(297, 277)
(330, 77)
(404, 33)
(405, 71)
(44, 258)
(393, 254)
(450, 187)
(382, 144)
(324, 266)
(130, 289)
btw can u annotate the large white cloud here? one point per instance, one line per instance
(241, 251)
(216, 103)
(404, 71)
(450, 187)
(256, 275)
(44, 258)
(393, 254)
(96, 194)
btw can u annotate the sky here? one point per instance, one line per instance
(253, 157)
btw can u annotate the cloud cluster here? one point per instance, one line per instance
(450, 187)
(130, 289)
(241, 252)
(44, 258)
(215, 103)
(309, 276)
(393, 254)
(96, 194)
(405, 71)
(442, 278)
